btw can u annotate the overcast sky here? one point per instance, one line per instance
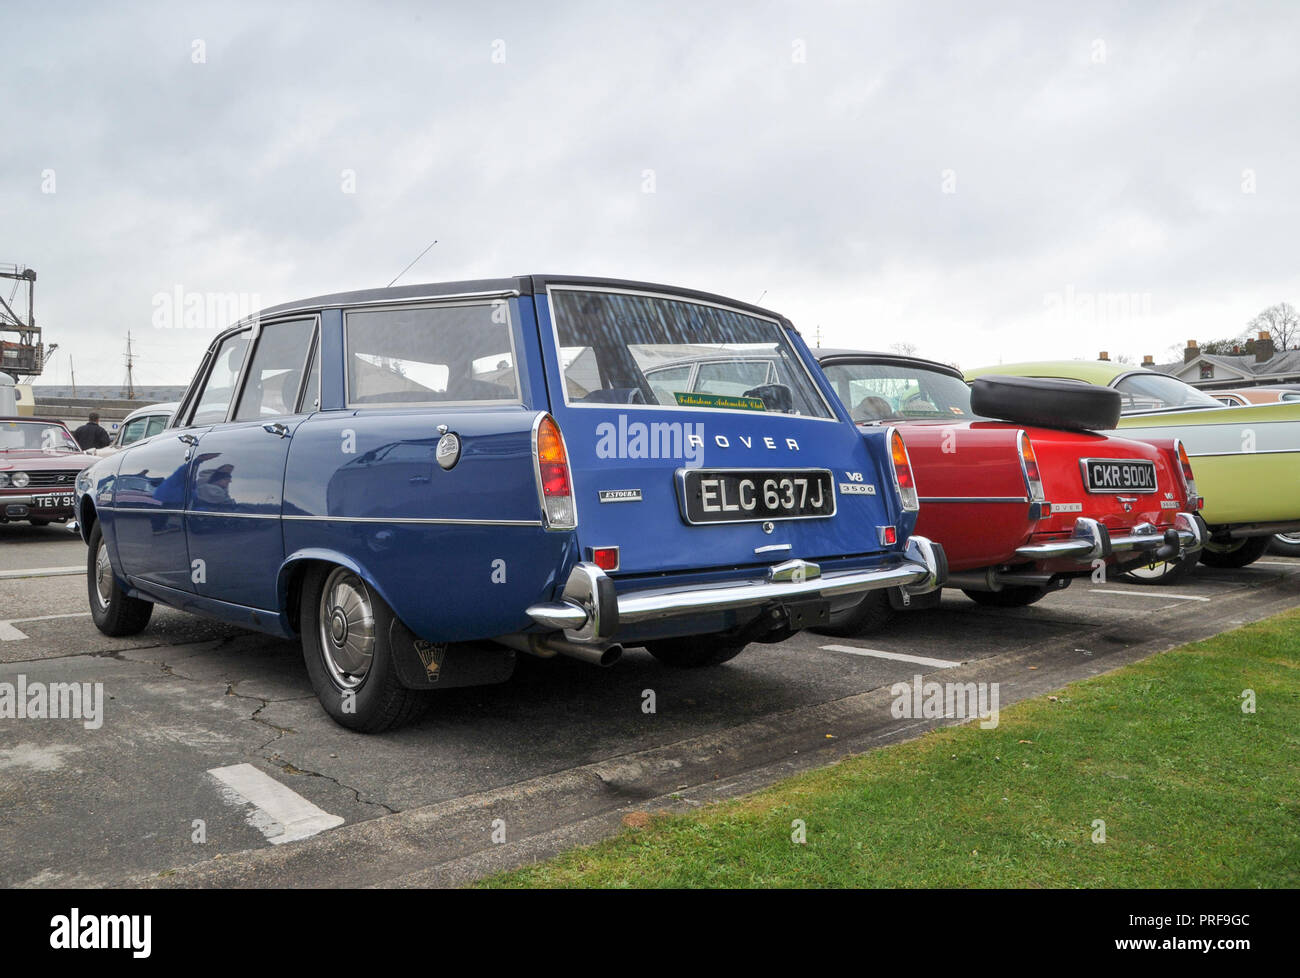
(987, 183)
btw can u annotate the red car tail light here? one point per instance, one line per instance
(554, 486)
(1185, 469)
(606, 558)
(1029, 469)
(901, 465)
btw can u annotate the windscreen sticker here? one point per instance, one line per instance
(689, 399)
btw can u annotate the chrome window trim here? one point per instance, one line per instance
(253, 343)
(361, 304)
(517, 401)
(650, 294)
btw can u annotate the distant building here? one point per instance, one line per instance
(1255, 363)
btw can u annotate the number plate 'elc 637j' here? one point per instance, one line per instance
(744, 495)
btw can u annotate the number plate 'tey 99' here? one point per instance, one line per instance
(744, 495)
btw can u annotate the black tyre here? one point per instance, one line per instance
(1237, 553)
(694, 651)
(114, 612)
(1008, 597)
(1044, 402)
(1165, 572)
(1286, 544)
(870, 614)
(345, 643)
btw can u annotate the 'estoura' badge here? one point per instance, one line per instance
(431, 654)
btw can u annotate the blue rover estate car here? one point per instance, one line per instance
(424, 481)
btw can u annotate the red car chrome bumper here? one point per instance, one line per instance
(1091, 540)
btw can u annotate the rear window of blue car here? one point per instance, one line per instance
(441, 354)
(630, 349)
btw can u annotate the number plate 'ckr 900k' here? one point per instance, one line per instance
(1118, 475)
(744, 495)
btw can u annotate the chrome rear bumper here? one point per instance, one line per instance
(590, 610)
(1092, 541)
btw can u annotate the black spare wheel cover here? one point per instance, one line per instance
(1046, 403)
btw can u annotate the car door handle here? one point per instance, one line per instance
(188, 440)
(277, 429)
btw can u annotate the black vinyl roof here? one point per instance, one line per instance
(521, 284)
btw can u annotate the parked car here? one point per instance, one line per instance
(143, 422)
(1022, 505)
(1247, 458)
(39, 463)
(423, 481)
(1281, 394)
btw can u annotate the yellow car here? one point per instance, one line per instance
(1246, 459)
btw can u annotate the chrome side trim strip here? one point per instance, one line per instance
(974, 499)
(406, 520)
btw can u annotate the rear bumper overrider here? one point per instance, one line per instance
(1092, 541)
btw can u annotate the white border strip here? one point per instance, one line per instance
(919, 660)
(293, 815)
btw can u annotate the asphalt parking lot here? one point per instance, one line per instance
(492, 776)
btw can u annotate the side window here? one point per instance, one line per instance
(276, 370)
(732, 377)
(134, 431)
(214, 402)
(430, 355)
(157, 422)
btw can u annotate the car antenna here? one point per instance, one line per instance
(413, 261)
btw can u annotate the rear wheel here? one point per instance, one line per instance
(1286, 544)
(1008, 597)
(346, 645)
(1163, 571)
(1236, 553)
(871, 613)
(694, 651)
(114, 612)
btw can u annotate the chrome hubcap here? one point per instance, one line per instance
(347, 628)
(103, 576)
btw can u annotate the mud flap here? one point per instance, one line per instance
(446, 665)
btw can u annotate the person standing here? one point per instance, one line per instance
(91, 435)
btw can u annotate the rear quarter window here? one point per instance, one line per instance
(431, 355)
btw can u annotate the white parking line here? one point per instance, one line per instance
(1273, 563)
(1153, 593)
(919, 660)
(288, 815)
(10, 634)
(42, 572)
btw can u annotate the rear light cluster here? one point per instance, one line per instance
(1189, 480)
(902, 470)
(1029, 469)
(554, 484)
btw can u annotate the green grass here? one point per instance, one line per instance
(1194, 793)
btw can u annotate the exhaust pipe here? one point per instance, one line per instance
(995, 580)
(548, 646)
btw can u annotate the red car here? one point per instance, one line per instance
(1024, 505)
(39, 464)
